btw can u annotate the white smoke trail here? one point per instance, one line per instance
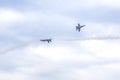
(81, 39)
(96, 38)
(16, 47)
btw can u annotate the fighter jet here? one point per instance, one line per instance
(46, 40)
(79, 27)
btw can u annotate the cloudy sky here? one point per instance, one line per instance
(24, 22)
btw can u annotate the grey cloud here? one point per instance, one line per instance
(75, 10)
(23, 61)
(12, 3)
(102, 15)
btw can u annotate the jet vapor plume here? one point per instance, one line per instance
(80, 39)
(100, 38)
(16, 47)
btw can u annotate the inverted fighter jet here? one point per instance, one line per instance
(78, 28)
